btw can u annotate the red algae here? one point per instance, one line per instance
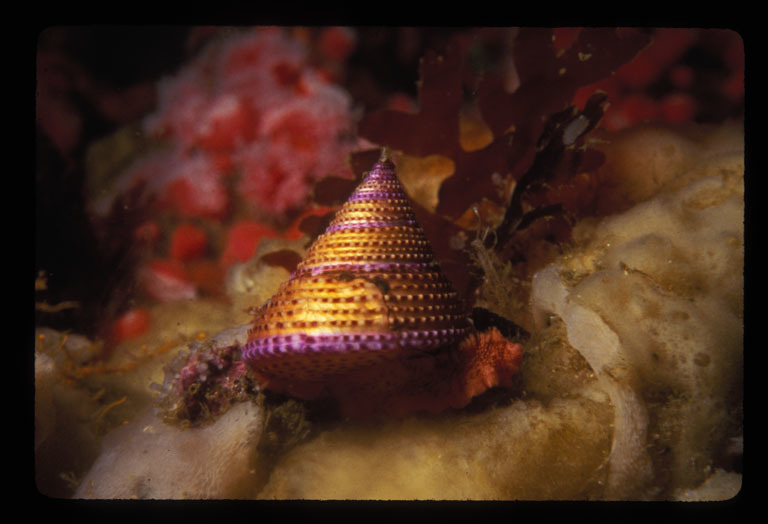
(240, 134)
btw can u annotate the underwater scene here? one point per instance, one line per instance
(389, 263)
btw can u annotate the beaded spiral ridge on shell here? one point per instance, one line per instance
(369, 290)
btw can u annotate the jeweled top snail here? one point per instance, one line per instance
(368, 304)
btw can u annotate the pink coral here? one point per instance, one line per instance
(180, 100)
(195, 187)
(260, 59)
(227, 123)
(166, 281)
(251, 103)
(272, 178)
(241, 132)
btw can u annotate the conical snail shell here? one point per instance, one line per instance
(369, 290)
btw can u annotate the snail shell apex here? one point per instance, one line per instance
(369, 290)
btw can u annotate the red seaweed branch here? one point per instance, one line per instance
(537, 136)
